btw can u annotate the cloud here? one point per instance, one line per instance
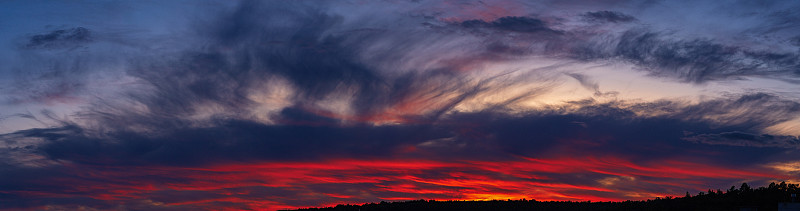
(65, 67)
(663, 54)
(512, 24)
(699, 60)
(608, 16)
(298, 184)
(590, 85)
(293, 104)
(607, 128)
(325, 70)
(48, 80)
(795, 40)
(737, 138)
(756, 110)
(59, 39)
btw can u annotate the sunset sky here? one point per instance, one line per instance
(264, 105)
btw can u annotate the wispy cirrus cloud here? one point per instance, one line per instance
(295, 104)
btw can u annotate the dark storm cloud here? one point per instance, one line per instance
(61, 38)
(608, 16)
(737, 138)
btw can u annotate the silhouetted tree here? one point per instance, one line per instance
(762, 198)
(745, 187)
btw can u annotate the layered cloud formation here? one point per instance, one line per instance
(271, 105)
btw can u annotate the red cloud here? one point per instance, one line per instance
(279, 185)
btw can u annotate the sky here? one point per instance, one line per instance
(264, 105)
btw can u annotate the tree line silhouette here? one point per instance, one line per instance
(762, 198)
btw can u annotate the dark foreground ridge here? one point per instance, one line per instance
(743, 198)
